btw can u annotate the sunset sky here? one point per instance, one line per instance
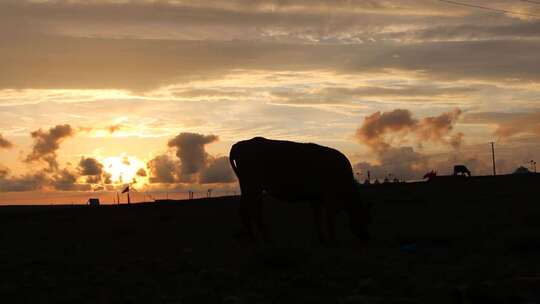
(99, 94)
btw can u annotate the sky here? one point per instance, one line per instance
(100, 94)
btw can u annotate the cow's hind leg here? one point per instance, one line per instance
(246, 217)
(318, 212)
(251, 214)
(331, 212)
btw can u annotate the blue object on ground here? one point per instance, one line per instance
(408, 247)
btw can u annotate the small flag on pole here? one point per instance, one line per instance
(127, 191)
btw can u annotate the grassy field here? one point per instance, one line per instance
(444, 241)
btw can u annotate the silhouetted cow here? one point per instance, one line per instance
(293, 171)
(461, 170)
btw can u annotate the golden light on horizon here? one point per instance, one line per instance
(123, 169)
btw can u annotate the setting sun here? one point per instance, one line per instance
(123, 169)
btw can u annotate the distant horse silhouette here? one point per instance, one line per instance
(461, 170)
(292, 171)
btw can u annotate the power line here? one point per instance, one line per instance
(489, 8)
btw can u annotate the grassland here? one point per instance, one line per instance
(444, 241)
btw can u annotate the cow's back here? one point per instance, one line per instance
(290, 169)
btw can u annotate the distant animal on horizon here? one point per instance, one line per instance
(431, 174)
(292, 171)
(461, 170)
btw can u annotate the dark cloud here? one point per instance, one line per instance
(25, 182)
(4, 143)
(164, 169)
(46, 143)
(4, 171)
(90, 166)
(516, 30)
(190, 150)
(93, 171)
(110, 63)
(337, 95)
(193, 163)
(109, 44)
(218, 171)
(61, 179)
(66, 180)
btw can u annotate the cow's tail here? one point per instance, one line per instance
(233, 158)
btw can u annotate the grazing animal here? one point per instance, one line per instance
(292, 171)
(431, 174)
(461, 170)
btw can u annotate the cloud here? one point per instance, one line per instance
(509, 125)
(401, 162)
(141, 172)
(25, 182)
(164, 169)
(437, 127)
(385, 132)
(190, 150)
(375, 126)
(218, 171)
(90, 166)
(46, 143)
(515, 30)
(109, 63)
(192, 163)
(4, 143)
(4, 171)
(340, 95)
(527, 124)
(111, 44)
(92, 169)
(65, 180)
(379, 130)
(114, 128)
(62, 179)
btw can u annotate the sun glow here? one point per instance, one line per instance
(123, 169)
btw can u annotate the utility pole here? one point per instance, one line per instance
(493, 157)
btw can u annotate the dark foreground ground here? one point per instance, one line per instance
(446, 241)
